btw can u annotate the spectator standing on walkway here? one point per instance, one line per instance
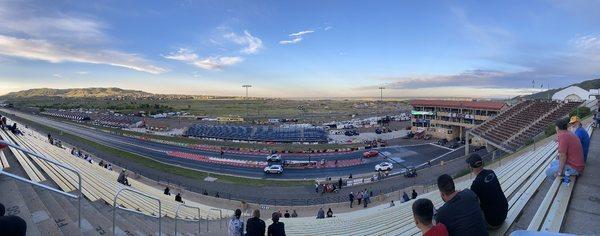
(351, 198)
(294, 214)
(316, 188)
(255, 226)
(366, 199)
(570, 153)
(423, 214)
(405, 197)
(236, 225)
(582, 134)
(414, 194)
(329, 213)
(320, 213)
(287, 214)
(277, 228)
(340, 182)
(359, 197)
(460, 213)
(486, 186)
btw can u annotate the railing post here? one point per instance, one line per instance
(177, 216)
(115, 206)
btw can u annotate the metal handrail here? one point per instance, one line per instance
(78, 196)
(220, 216)
(177, 216)
(115, 206)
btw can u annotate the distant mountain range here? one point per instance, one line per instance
(78, 93)
(587, 85)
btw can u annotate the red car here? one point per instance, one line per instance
(371, 153)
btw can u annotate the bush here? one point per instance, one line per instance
(581, 112)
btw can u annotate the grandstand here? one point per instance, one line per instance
(118, 121)
(70, 115)
(262, 133)
(514, 127)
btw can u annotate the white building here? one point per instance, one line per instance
(573, 93)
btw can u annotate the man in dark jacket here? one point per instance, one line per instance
(255, 226)
(351, 198)
(491, 197)
(277, 228)
(460, 213)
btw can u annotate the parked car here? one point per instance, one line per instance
(442, 141)
(274, 158)
(384, 166)
(370, 153)
(351, 133)
(274, 169)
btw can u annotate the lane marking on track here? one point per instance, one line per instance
(440, 146)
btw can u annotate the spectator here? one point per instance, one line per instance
(423, 214)
(178, 198)
(217, 195)
(123, 178)
(570, 153)
(277, 228)
(167, 191)
(486, 186)
(359, 197)
(11, 225)
(320, 213)
(255, 226)
(236, 225)
(405, 197)
(366, 199)
(317, 188)
(582, 134)
(73, 151)
(294, 214)
(329, 213)
(460, 213)
(89, 159)
(101, 163)
(351, 198)
(392, 203)
(2, 145)
(340, 182)
(50, 139)
(287, 214)
(414, 194)
(109, 166)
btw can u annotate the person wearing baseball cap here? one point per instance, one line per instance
(486, 186)
(582, 134)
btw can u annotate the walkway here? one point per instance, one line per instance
(583, 213)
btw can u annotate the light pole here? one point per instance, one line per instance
(246, 86)
(381, 93)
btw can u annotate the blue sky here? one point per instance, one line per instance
(300, 48)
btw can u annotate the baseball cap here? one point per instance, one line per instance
(474, 160)
(574, 119)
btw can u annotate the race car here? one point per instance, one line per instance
(274, 169)
(370, 153)
(274, 157)
(384, 166)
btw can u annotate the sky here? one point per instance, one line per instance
(491, 49)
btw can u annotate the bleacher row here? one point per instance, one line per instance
(520, 179)
(514, 127)
(99, 184)
(71, 115)
(117, 121)
(262, 133)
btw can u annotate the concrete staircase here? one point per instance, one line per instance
(50, 213)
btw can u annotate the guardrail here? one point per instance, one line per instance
(177, 216)
(29, 152)
(115, 206)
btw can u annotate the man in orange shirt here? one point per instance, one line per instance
(570, 152)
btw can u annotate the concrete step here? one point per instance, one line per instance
(63, 221)
(15, 205)
(124, 226)
(39, 213)
(92, 222)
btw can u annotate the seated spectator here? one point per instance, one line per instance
(255, 226)
(423, 214)
(50, 139)
(287, 214)
(460, 213)
(414, 194)
(88, 158)
(2, 145)
(101, 163)
(294, 214)
(11, 225)
(123, 178)
(109, 167)
(72, 151)
(329, 213)
(405, 197)
(178, 198)
(486, 186)
(236, 225)
(582, 134)
(570, 153)
(392, 203)
(321, 213)
(167, 191)
(277, 228)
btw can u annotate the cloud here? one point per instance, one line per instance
(489, 36)
(466, 78)
(58, 76)
(36, 49)
(208, 63)
(298, 34)
(327, 28)
(296, 37)
(82, 72)
(252, 44)
(293, 41)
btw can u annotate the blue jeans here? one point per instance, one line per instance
(553, 168)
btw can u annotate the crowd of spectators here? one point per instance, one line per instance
(255, 226)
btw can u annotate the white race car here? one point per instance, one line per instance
(384, 166)
(274, 157)
(274, 169)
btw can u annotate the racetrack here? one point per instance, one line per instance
(413, 155)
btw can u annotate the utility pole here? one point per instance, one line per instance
(246, 86)
(381, 88)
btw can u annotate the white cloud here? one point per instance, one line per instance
(293, 41)
(327, 28)
(252, 44)
(58, 76)
(298, 34)
(208, 63)
(37, 49)
(82, 72)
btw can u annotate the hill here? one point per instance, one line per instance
(78, 93)
(587, 85)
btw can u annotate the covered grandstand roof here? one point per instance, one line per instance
(487, 105)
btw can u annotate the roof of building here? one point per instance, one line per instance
(485, 105)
